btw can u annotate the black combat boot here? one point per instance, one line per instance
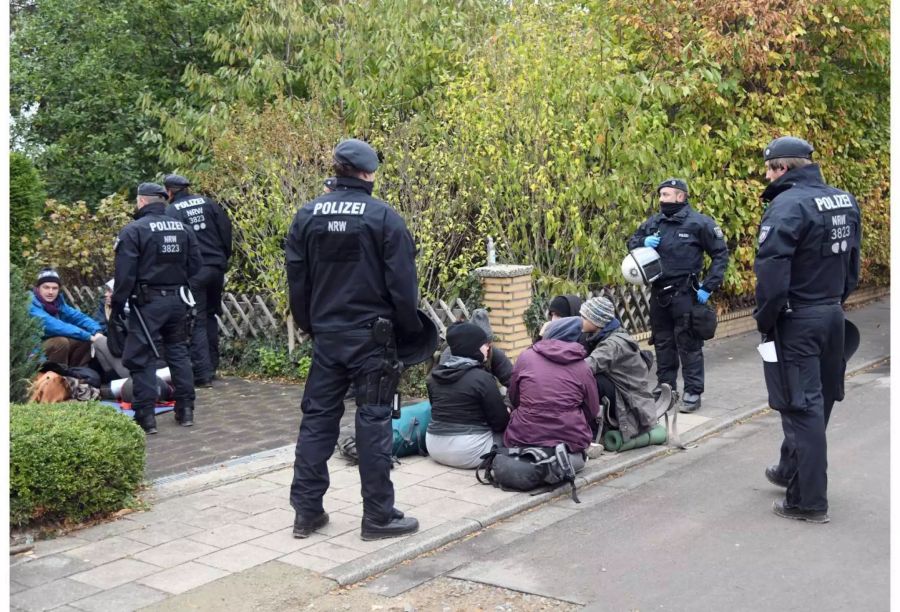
(305, 525)
(146, 418)
(395, 527)
(184, 413)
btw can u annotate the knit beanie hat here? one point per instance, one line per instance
(466, 340)
(599, 311)
(567, 329)
(47, 275)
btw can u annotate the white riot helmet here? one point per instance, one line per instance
(642, 266)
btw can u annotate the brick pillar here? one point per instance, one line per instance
(507, 295)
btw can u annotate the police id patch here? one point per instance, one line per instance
(764, 233)
(718, 232)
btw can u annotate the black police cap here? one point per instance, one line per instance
(357, 154)
(788, 146)
(151, 189)
(177, 181)
(674, 183)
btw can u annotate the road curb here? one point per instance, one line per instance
(386, 558)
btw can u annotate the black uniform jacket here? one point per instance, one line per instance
(209, 222)
(809, 245)
(684, 238)
(351, 259)
(155, 250)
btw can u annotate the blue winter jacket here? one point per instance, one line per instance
(71, 322)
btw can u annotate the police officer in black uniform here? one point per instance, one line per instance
(806, 267)
(155, 257)
(350, 262)
(212, 227)
(681, 236)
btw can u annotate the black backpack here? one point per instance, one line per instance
(527, 468)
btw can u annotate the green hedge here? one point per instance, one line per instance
(71, 461)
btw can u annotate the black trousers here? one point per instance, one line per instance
(339, 359)
(207, 287)
(673, 340)
(606, 388)
(803, 387)
(165, 317)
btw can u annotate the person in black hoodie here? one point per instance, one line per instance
(468, 415)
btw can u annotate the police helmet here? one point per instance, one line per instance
(788, 146)
(416, 349)
(176, 181)
(642, 266)
(152, 189)
(674, 183)
(851, 339)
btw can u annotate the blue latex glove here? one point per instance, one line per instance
(651, 241)
(702, 295)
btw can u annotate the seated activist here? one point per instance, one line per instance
(496, 362)
(622, 373)
(110, 365)
(68, 332)
(468, 414)
(561, 306)
(553, 393)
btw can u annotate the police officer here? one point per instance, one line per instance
(155, 257)
(806, 267)
(350, 262)
(681, 236)
(212, 227)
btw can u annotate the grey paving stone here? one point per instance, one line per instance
(15, 587)
(214, 516)
(52, 594)
(160, 533)
(44, 548)
(339, 523)
(174, 553)
(239, 557)
(309, 562)
(270, 521)
(182, 578)
(101, 532)
(125, 598)
(283, 477)
(254, 504)
(116, 573)
(410, 576)
(333, 552)
(104, 551)
(46, 569)
(537, 519)
(284, 541)
(228, 535)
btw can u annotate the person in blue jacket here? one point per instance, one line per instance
(68, 332)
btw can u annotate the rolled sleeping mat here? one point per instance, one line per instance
(114, 390)
(121, 390)
(612, 440)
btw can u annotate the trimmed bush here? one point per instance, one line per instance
(24, 338)
(71, 461)
(26, 203)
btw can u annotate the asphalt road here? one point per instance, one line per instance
(695, 531)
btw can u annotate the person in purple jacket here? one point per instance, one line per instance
(68, 332)
(552, 391)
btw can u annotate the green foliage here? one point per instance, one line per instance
(26, 203)
(77, 69)
(267, 357)
(24, 338)
(79, 242)
(71, 461)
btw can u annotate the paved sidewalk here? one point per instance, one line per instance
(221, 522)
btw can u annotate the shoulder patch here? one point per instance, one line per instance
(764, 233)
(718, 232)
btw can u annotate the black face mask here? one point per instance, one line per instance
(670, 208)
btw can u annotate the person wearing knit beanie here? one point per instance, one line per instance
(47, 275)
(597, 312)
(467, 340)
(564, 306)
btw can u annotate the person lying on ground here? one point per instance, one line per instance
(553, 393)
(621, 370)
(468, 415)
(496, 362)
(67, 332)
(109, 365)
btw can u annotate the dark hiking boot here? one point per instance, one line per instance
(372, 530)
(690, 402)
(305, 525)
(810, 516)
(775, 477)
(184, 413)
(147, 420)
